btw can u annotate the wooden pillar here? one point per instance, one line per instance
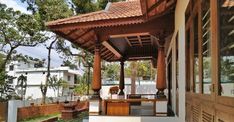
(96, 83)
(161, 73)
(121, 82)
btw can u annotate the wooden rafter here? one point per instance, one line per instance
(152, 27)
(105, 52)
(167, 10)
(128, 41)
(87, 31)
(71, 32)
(139, 39)
(103, 49)
(126, 35)
(152, 41)
(110, 57)
(155, 5)
(112, 49)
(91, 47)
(107, 55)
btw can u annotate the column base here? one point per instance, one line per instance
(96, 95)
(121, 92)
(161, 108)
(95, 104)
(160, 94)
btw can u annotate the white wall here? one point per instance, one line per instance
(65, 77)
(143, 88)
(180, 29)
(37, 76)
(131, 119)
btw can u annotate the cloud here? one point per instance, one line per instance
(16, 5)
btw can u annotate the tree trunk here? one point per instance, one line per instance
(58, 91)
(133, 77)
(8, 57)
(45, 87)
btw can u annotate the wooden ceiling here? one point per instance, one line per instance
(132, 46)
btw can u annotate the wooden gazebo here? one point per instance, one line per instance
(130, 30)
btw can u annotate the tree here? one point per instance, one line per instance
(2, 56)
(81, 89)
(69, 64)
(84, 6)
(102, 3)
(22, 84)
(111, 70)
(5, 88)
(133, 67)
(16, 30)
(87, 6)
(45, 11)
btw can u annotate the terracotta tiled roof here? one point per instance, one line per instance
(115, 10)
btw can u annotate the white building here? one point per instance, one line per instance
(36, 76)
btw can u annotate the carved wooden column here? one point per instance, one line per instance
(96, 83)
(161, 73)
(121, 81)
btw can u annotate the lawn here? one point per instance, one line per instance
(41, 118)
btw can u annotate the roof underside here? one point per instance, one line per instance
(128, 30)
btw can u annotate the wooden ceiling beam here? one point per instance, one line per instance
(105, 52)
(129, 43)
(112, 49)
(152, 40)
(168, 10)
(155, 5)
(141, 51)
(71, 32)
(139, 39)
(86, 32)
(110, 57)
(107, 55)
(91, 47)
(103, 49)
(129, 34)
(164, 23)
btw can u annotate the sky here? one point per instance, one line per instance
(35, 52)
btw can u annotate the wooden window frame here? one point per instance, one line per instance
(225, 100)
(195, 10)
(215, 37)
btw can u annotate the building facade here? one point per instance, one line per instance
(37, 76)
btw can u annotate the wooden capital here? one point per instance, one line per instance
(96, 83)
(121, 82)
(161, 70)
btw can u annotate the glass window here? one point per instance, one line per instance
(206, 54)
(11, 68)
(69, 78)
(196, 59)
(226, 10)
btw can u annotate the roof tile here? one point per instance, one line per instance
(116, 10)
